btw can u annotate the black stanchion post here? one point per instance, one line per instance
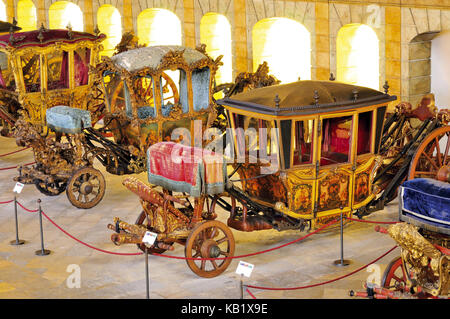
(147, 279)
(42, 251)
(18, 241)
(242, 287)
(342, 262)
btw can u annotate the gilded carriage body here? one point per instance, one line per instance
(153, 90)
(325, 139)
(44, 68)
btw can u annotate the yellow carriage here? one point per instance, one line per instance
(44, 68)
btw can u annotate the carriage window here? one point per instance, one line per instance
(31, 73)
(364, 133)
(253, 135)
(144, 91)
(171, 82)
(200, 88)
(303, 142)
(57, 70)
(114, 91)
(336, 140)
(82, 58)
(6, 76)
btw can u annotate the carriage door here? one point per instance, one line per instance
(334, 166)
(365, 159)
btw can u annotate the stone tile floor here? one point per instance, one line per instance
(25, 275)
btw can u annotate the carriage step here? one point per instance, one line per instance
(251, 223)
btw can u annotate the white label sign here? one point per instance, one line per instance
(244, 269)
(149, 238)
(18, 188)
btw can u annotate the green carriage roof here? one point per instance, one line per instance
(306, 97)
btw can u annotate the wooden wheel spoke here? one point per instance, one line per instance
(438, 150)
(203, 265)
(447, 148)
(431, 160)
(397, 278)
(213, 262)
(226, 254)
(214, 232)
(221, 240)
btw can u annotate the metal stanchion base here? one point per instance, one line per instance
(41, 252)
(17, 242)
(342, 263)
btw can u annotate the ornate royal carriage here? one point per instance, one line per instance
(44, 68)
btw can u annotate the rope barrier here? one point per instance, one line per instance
(252, 254)
(85, 244)
(250, 293)
(328, 281)
(12, 167)
(21, 150)
(369, 221)
(28, 210)
(7, 202)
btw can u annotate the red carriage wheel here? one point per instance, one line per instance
(209, 239)
(395, 276)
(432, 157)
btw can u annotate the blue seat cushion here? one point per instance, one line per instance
(67, 119)
(427, 200)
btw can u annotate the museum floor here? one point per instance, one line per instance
(25, 275)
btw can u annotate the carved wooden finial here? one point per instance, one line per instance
(386, 87)
(355, 94)
(14, 22)
(70, 33)
(277, 101)
(332, 78)
(97, 30)
(316, 97)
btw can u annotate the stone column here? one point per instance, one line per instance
(242, 63)
(189, 23)
(40, 13)
(322, 67)
(88, 16)
(393, 51)
(10, 12)
(127, 18)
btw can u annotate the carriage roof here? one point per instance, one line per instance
(44, 38)
(306, 97)
(7, 27)
(157, 57)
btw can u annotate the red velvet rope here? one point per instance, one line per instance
(12, 167)
(369, 221)
(21, 150)
(28, 210)
(87, 245)
(250, 293)
(329, 281)
(7, 202)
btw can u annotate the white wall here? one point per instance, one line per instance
(440, 69)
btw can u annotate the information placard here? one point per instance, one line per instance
(244, 269)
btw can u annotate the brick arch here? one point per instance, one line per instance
(302, 12)
(175, 6)
(79, 3)
(419, 27)
(370, 15)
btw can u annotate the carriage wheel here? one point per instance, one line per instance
(395, 276)
(86, 188)
(140, 221)
(52, 189)
(209, 239)
(432, 157)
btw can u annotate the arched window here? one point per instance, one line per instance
(61, 13)
(158, 27)
(215, 32)
(286, 46)
(2, 11)
(109, 22)
(358, 55)
(26, 15)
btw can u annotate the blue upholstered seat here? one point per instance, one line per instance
(67, 119)
(427, 201)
